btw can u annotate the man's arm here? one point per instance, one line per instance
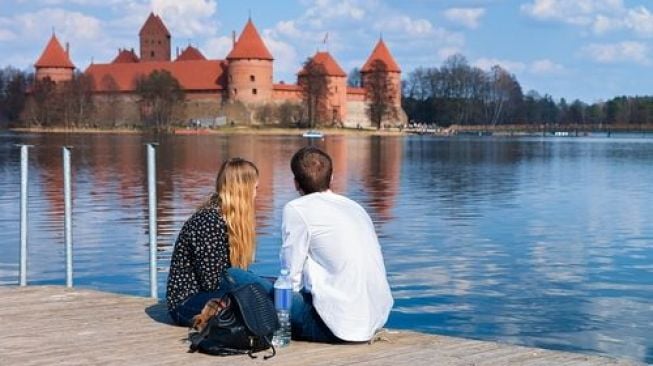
(296, 239)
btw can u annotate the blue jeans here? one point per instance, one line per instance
(184, 313)
(305, 322)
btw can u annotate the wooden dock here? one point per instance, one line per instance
(49, 325)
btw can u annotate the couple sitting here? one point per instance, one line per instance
(329, 246)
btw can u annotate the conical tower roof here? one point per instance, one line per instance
(54, 56)
(125, 56)
(327, 61)
(381, 53)
(190, 54)
(154, 24)
(250, 45)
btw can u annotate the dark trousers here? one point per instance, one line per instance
(184, 313)
(306, 324)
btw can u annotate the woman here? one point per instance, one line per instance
(220, 235)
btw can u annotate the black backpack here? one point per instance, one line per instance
(245, 326)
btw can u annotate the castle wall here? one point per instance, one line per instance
(56, 74)
(250, 81)
(357, 114)
(280, 96)
(203, 105)
(117, 110)
(337, 99)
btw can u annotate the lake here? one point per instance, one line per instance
(536, 241)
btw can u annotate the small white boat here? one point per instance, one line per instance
(312, 134)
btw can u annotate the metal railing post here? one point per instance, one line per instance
(24, 160)
(68, 231)
(151, 187)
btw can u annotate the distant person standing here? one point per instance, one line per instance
(332, 252)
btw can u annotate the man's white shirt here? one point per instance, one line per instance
(331, 250)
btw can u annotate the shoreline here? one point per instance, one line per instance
(264, 131)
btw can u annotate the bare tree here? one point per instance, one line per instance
(77, 100)
(46, 104)
(112, 101)
(315, 90)
(161, 96)
(380, 90)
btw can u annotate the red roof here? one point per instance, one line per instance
(287, 87)
(382, 53)
(328, 62)
(190, 54)
(250, 45)
(54, 56)
(125, 57)
(204, 75)
(351, 90)
(154, 24)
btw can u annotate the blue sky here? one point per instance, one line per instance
(586, 49)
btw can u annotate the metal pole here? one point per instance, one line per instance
(151, 185)
(24, 159)
(68, 231)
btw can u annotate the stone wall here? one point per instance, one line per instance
(357, 114)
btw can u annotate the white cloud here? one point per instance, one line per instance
(285, 56)
(187, 18)
(71, 25)
(488, 63)
(579, 12)
(599, 16)
(468, 17)
(545, 66)
(218, 47)
(623, 52)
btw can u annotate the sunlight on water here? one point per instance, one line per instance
(536, 241)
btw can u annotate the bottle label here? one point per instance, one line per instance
(282, 298)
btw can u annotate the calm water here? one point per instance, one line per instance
(544, 242)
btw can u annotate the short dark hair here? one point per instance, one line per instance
(312, 168)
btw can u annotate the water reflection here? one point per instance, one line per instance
(542, 242)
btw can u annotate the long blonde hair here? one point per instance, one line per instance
(235, 188)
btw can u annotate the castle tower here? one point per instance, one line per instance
(382, 61)
(54, 63)
(336, 103)
(250, 68)
(155, 40)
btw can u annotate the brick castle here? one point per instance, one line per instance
(212, 87)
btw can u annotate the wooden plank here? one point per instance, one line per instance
(54, 325)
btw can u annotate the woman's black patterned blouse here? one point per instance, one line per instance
(200, 257)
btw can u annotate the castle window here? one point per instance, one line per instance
(254, 91)
(151, 53)
(252, 78)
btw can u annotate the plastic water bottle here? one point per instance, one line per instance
(282, 303)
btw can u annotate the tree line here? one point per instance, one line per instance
(454, 93)
(461, 94)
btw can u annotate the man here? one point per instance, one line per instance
(334, 258)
